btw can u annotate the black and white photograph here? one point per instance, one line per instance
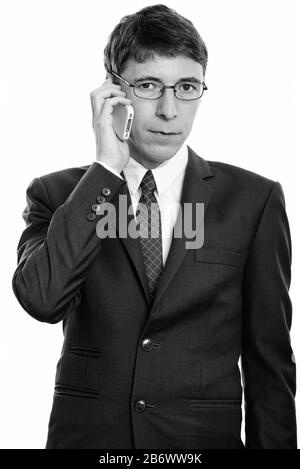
(150, 156)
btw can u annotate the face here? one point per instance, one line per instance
(166, 114)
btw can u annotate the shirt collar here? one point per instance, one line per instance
(164, 174)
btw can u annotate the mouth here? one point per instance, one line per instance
(163, 133)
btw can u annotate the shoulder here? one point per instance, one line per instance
(250, 188)
(229, 172)
(241, 181)
(228, 176)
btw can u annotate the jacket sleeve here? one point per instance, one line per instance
(57, 247)
(267, 360)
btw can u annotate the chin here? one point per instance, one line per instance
(154, 152)
(165, 151)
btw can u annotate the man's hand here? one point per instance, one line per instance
(109, 148)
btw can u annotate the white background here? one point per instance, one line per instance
(51, 58)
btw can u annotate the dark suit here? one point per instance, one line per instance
(166, 376)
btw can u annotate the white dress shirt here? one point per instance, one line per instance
(169, 177)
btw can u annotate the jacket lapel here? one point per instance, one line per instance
(194, 189)
(132, 245)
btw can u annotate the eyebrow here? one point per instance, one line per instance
(148, 77)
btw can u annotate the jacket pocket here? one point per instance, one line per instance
(74, 391)
(78, 414)
(219, 256)
(85, 351)
(215, 403)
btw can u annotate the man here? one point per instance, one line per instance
(154, 330)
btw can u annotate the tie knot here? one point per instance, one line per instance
(148, 184)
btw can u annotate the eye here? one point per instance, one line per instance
(147, 85)
(187, 87)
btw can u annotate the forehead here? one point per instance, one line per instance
(167, 69)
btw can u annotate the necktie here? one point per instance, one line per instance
(149, 226)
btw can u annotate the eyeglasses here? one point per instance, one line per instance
(152, 89)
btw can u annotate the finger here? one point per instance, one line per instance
(97, 99)
(108, 82)
(106, 92)
(105, 85)
(109, 104)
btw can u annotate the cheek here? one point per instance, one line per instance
(145, 118)
(188, 116)
(143, 115)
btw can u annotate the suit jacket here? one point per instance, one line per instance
(166, 375)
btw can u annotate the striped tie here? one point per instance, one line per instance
(149, 226)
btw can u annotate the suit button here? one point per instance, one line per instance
(105, 191)
(140, 406)
(95, 207)
(100, 199)
(90, 216)
(147, 344)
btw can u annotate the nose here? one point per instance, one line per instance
(166, 105)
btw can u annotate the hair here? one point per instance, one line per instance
(156, 29)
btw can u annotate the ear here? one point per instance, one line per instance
(111, 76)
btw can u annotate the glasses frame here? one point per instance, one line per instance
(163, 89)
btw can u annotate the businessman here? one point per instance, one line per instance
(154, 328)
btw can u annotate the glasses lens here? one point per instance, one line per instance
(186, 90)
(148, 89)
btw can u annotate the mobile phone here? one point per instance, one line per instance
(122, 120)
